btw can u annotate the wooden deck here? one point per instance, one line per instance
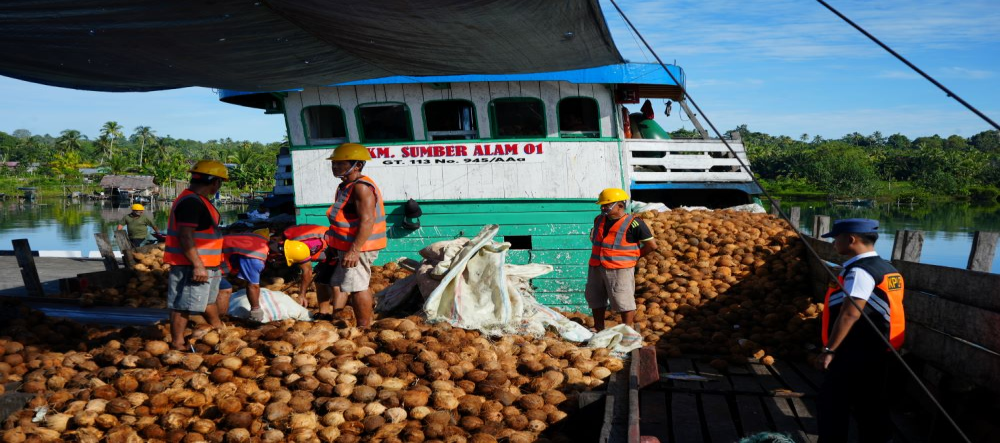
(741, 401)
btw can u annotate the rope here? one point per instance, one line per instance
(781, 213)
(911, 65)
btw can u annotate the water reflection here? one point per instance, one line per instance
(70, 225)
(948, 227)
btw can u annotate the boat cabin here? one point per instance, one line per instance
(529, 152)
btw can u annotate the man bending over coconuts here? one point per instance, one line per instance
(618, 239)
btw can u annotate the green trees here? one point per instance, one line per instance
(145, 135)
(110, 132)
(70, 140)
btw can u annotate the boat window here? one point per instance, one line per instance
(450, 120)
(578, 118)
(517, 117)
(325, 125)
(385, 122)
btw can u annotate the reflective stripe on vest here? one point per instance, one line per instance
(247, 245)
(305, 232)
(612, 249)
(885, 302)
(344, 229)
(208, 242)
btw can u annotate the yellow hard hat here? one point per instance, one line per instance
(263, 232)
(138, 207)
(296, 252)
(350, 151)
(612, 195)
(211, 167)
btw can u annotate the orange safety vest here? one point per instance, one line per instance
(308, 232)
(884, 307)
(344, 228)
(208, 242)
(612, 249)
(247, 245)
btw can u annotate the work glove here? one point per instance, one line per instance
(257, 315)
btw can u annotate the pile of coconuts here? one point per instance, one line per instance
(402, 381)
(147, 287)
(725, 284)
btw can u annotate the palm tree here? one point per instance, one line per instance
(119, 164)
(111, 130)
(69, 140)
(143, 134)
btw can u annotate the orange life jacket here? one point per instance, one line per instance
(309, 232)
(208, 242)
(612, 249)
(884, 307)
(344, 228)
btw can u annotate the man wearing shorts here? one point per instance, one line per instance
(357, 232)
(616, 239)
(194, 251)
(244, 254)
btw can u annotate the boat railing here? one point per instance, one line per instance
(686, 160)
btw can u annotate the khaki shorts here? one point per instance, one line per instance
(614, 285)
(185, 295)
(354, 279)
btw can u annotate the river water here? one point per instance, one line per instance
(64, 225)
(61, 225)
(948, 227)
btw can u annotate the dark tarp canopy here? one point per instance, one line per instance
(269, 45)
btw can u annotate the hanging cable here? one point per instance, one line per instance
(911, 65)
(782, 214)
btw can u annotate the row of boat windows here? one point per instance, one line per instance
(578, 117)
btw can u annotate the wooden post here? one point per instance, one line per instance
(775, 206)
(125, 245)
(29, 273)
(821, 225)
(908, 246)
(984, 245)
(104, 245)
(794, 214)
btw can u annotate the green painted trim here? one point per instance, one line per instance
(559, 120)
(532, 230)
(563, 285)
(305, 127)
(561, 257)
(492, 204)
(560, 242)
(471, 142)
(565, 271)
(475, 117)
(361, 126)
(494, 129)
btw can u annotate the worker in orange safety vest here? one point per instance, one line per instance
(855, 355)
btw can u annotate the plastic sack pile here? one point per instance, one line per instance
(467, 284)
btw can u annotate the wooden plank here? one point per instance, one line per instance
(684, 418)
(104, 245)
(792, 378)
(648, 371)
(782, 415)
(824, 250)
(977, 365)
(907, 246)
(684, 365)
(973, 288)
(125, 245)
(565, 271)
(984, 246)
(821, 225)
(721, 426)
(979, 326)
(561, 242)
(655, 419)
(616, 419)
(500, 218)
(752, 417)
(29, 273)
(633, 398)
(718, 380)
(555, 257)
(794, 215)
(806, 413)
(728, 177)
(809, 373)
(517, 206)
(465, 230)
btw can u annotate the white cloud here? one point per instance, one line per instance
(965, 73)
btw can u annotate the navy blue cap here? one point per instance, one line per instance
(853, 226)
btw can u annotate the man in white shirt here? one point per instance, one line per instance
(855, 354)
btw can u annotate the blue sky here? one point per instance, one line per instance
(781, 66)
